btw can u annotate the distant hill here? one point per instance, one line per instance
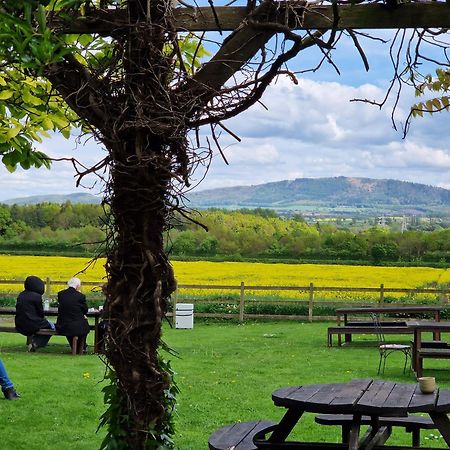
(341, 195)
(54, 198)
(309, 196)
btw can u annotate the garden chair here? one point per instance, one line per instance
(388, 348)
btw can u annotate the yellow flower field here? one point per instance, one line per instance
(232, 273)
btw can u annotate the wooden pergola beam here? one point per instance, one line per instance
(362, 16)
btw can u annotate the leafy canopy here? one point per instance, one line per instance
(29, 108)
(437, 103)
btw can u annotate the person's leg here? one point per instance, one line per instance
(39, 340)
(50, 325)
(83, 340)
(5, 382)
(69, 340)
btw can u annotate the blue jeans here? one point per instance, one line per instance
(5, 382)
(42, 340)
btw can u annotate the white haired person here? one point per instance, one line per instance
(72, 308)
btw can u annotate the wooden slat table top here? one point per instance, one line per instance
(388, 309)
(429, 325)
(322, 397)
(11, 311)
(368, 397)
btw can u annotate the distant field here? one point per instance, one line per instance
(232, 273)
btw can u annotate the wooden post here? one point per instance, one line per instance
(311, 302)
(174, 303)
(242, 303)
(381, 301)
(48, 286)
(444, 296)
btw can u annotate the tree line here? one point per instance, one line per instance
(234, 235)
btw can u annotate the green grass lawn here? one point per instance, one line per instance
(226, 373)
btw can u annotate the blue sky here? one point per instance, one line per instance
(309, 130)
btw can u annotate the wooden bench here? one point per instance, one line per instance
(348, 330)
(437, 353)
(77, 345)
(412, 424)
(238, 436)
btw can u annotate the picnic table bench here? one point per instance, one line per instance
(411, 424)
(238, 436)
(421, 349)
(77, 347)
(348, 327)
(373, 400)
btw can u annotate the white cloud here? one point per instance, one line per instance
(252, 152)
(310, 130)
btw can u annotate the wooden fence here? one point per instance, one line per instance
(242, 300)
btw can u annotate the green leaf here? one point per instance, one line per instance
(6, 94)
(13, 132)
(65, 132)
(436, 103)
(85, 39)
(30, 98)
(47, 124)
(12, 159)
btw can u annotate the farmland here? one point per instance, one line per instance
(232, 273)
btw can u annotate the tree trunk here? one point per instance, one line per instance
(140, 283)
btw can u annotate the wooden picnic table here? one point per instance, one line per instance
(53, 312)
(419, 352)
(367, 310)
(392, 326)
(373, 398)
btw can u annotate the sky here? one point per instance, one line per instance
(309, 130)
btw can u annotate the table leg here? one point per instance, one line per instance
(353, 441)
(286, 424)
(442, 423)
(376, 435)
(437, 334)
(96, 334)
(416, 347)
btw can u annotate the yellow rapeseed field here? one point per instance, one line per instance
(232, 273)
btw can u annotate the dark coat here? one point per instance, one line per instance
(72, 308)
(29, 310)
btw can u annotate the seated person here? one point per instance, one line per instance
(72, 307)
(30, 313)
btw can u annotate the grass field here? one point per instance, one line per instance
(226, 373)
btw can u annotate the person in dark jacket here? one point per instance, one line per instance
(72, 307)
(30, 313)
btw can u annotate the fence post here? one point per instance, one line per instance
(381, 294)
(242, 303)
(444, 295)
(174, 303)
(48, 286)
(311, 302)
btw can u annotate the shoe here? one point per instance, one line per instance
(10, 394)
(32, 347)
